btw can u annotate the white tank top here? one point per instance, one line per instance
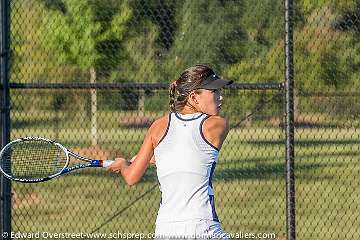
(185, 163)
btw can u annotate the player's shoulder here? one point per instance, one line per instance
(216, 125)
(158, 129)
(160, 123)
(217, 121)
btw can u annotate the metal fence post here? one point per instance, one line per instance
(289, 89)
(5, 115)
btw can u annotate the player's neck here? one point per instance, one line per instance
(188, 110)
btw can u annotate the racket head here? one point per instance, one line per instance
(33, 159)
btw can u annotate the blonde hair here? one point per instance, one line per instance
(188, 81)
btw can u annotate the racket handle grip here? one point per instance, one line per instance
(107, 163)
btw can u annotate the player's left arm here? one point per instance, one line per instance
(215, 130)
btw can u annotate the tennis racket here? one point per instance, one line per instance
(36, 159)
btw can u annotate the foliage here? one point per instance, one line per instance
(79, 32)
(153, 41)
(207, 32)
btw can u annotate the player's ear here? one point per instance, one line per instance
(193, 97)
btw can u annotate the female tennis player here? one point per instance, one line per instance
(185, 146)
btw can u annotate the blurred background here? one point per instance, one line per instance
(130, 50)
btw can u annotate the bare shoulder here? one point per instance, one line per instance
(158, 128)
(215, 129)
(160, 122)
(218, 123)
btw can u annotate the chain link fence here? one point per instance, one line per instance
(326, 42)
(327, 166)
(248, 179)
(92, 75)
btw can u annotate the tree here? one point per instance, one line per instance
(207, 32)
(77, 33)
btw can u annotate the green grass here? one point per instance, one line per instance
(249, 183)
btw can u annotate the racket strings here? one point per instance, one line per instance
(33, 159)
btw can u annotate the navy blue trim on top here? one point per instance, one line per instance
(190, 119)
(211, 197)
(213, 165)
(202, 134)
(213, 210)
(160, 194)
(167, 130)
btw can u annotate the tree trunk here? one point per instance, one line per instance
(94, 137)
(141, 104)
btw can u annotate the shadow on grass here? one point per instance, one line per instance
(304, 124)
(259, 172)
(32, 123)
(266, 159)
(274, 171)
(304, 142)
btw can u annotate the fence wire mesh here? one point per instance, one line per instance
(114, 42)
(326, 42)
(248, 180)
(142, 42)
(327, 159)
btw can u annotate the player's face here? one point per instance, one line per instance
(210, 101)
